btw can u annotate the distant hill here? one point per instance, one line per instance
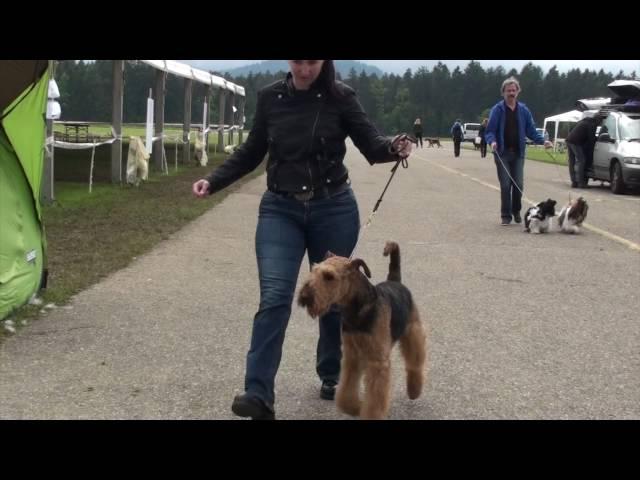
(273, 66)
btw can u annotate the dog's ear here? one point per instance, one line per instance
(356, 263)
(552, 202)
(329, 254)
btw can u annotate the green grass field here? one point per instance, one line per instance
(536, 153)
(91, 235)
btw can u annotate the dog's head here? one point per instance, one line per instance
(332, 281)
(579, 209)
(547, 208)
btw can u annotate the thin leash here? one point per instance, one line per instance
(514, 182)
(405, 164)
(557, 168)
(507, 170)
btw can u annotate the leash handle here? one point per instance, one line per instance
(401, 161)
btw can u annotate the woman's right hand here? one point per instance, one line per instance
(201, 188)
(402, 145)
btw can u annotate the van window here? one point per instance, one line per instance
(472, 126)
(609, 126)
(629, 128)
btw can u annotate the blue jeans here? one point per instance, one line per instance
(286, 228)
(510, 196)
(577, 164)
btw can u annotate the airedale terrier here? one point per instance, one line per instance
(373, 319)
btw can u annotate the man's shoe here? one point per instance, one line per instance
(505, 222)
(248, 406)
(517, 218)
(574, 185)
(328, 389)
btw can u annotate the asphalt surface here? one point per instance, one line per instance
(521, 326)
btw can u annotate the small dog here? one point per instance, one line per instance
(433, 141)
(572, 215)
(538, 218)
(374, 318)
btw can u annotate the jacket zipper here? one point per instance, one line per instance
(313, 133)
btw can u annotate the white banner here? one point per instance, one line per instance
(149, 137)
(204, 116)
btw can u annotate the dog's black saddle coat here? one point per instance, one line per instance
(361, 315)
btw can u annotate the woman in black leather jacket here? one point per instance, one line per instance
(301, 122)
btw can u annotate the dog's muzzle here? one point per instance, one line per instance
(305, 297)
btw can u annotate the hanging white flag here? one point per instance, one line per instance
(204, 117)
(149, 138)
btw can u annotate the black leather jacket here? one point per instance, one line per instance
(304, 133)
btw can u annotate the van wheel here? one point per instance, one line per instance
(617, 182)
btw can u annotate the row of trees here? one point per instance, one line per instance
(393, 102)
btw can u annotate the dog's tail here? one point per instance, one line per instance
(392, 248)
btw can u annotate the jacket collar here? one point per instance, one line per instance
(287, 86)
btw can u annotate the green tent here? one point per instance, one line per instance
(23, 99)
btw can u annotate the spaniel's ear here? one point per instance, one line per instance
(356, 263)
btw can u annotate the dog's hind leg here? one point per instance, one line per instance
(413, 345)
(347, 394)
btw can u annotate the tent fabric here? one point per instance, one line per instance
(22, 137)
(572, 116)
(186, 71)
(16, 76)
(21, 247)
(25, 127)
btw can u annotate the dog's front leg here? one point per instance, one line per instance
(377, 390)
(347, 395)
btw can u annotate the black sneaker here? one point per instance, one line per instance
(248, 406)
(328, 389)
(505, 222)
(517, 218)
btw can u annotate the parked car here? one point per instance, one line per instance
(616, 155)
(543, 132)
(470, 132)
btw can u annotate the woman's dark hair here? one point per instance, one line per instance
(327, 79)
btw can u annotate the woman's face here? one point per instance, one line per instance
(305, 72)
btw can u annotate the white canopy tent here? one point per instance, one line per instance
(573, 116)
(186, 71)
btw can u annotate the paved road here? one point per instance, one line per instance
(521, 326)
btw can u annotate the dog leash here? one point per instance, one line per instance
(507, 170)
(405, 164)
(513, 181)
(557, 168)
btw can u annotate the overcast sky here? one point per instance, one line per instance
(400, 66)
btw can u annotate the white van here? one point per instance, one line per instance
(470, 132)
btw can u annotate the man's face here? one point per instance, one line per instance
(510, 92)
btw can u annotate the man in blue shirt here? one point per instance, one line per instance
(510, 122)
(457, 133)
